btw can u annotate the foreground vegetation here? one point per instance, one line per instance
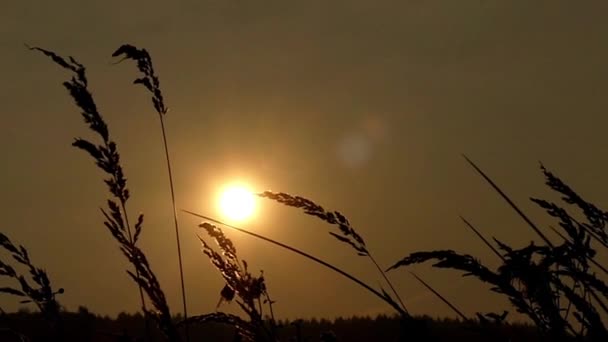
(555, 284)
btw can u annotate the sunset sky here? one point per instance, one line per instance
(364, 106)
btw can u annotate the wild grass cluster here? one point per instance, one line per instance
(556, 283)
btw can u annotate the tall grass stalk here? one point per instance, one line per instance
(107, 158)
(151, 82)
(83, 98)
(346, 232)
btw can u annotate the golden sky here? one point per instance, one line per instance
(362, 106)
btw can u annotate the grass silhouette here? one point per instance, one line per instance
(554, 284)
(152, 84)
(536, 279)
(41, 293)
(107, 158)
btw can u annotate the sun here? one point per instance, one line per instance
(237, 203)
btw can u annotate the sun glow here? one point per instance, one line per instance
(237, 203)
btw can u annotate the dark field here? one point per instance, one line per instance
(85, 326)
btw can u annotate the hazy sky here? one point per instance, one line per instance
(363, 106)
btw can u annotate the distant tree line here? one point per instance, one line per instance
(84, 325)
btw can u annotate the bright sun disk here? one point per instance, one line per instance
(237, 203)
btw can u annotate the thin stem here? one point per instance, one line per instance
(591, 292)
(590, 232)
(443, 299)
(306, 255)
(179, 250)
(590, 259)
(510, 202)
(124, 210)
(272, 321)
(483, 239)
(123, 205)
(141, 292)
(260, 308)
(388, 281)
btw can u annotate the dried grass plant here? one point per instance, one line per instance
(380, 294)
(248, 291)
(545, 282)
(346, 232)
(106, 156)
(40, 293)
(151, 82)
